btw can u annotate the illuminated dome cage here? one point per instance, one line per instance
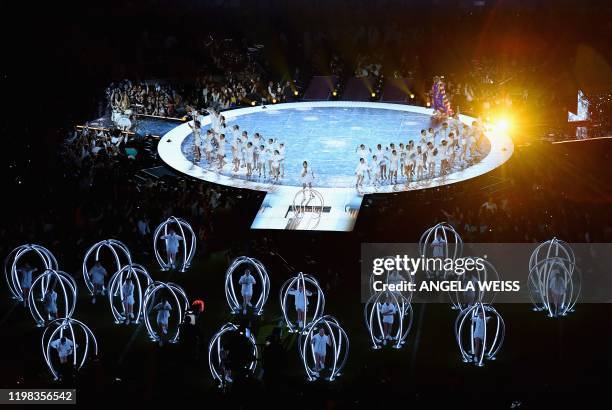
(84, 343)
(49, 280)
(188, 238)
(293, 286)
(491, 334)
(11, 270)
(120, 257)
(374, 319)
(339, 347)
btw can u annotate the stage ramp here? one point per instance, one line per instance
(319, 209)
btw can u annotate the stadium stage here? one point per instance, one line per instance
(326, 134)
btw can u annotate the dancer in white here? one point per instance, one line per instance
(320, 341)
(98, 275)
(301, 302)
(393, 165)
(64, 348)
(360, 172)
(127, 291)
(478, 321)
(249, 152)
(275, 163)
(281, 151)
(421, 163)
(50, 304)
(26, 281)
(163, 314)
(387, 310)
(246, 281)
(172, 246)
(307, 176)
(381, 155)
(262, 159)
(236, 153)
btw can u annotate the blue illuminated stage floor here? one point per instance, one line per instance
(326, 137)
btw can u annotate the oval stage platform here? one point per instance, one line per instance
(326, 134)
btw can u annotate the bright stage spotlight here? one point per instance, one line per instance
(295, 93)
(273, 100)
(501, 125)
(412, 96)
(335, 93)
(428, 104)
(253, 103)
(373, 94)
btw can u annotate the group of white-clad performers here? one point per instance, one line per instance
(260, 158)
(436, 152)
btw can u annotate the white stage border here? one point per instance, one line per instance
(169, 150)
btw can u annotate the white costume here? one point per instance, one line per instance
(301, 298)
(50, 302)
(26, 277)
(387, 310)
(247, 281)
(128, 293)
(319, 344)
(97, 275)
(362, 169)
(163, 312)
(63, 349)
(172, 242)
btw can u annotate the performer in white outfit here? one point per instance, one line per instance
(275, 162)
(221, 151)
(320, 341)
(388, 311)
(26, 281)
(301, 302)
(361, 171)
(163, 309)
(98, 275)
(172, 246)
(64, 348)
(281, 151)
(307, 176)
(393, 165)
(50, 304)
(246, 281)
(363, 152)
(249, 152)
(127, 291)
(478, 322)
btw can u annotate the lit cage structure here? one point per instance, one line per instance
(339, 345)
(261, 276)
(141, 280)
(309, 202)
(216, 353)
(120, 256)
(11, 269)
(83, 341)
(554, 280)
(440, 241)
(483, 271)
(179, 303)
(554, 286)
(181, 228)
(301, 287)
(402, 313)
(479, 332)
(393, 277)
(67, 295)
